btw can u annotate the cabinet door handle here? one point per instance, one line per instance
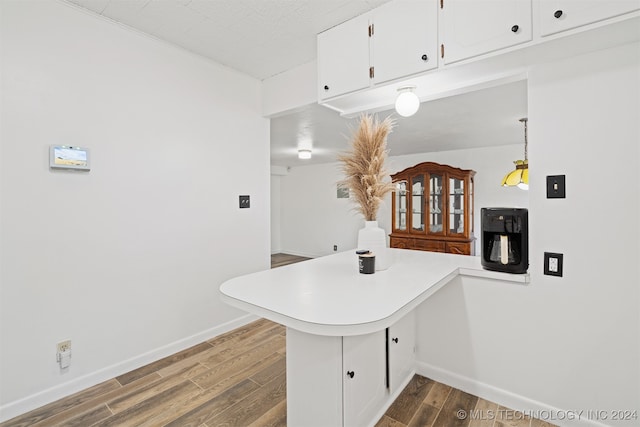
(326, 88)
(395, 340)
(557, 13)
(425, 57)
(515, 28)
(350, 374)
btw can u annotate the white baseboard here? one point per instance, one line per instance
(29, 403)
(545, 412)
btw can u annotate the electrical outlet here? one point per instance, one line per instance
(64, 346)
(63, 356)
(335, 248)
(553, 264)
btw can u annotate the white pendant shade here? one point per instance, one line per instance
(304, 154)
(407, 102)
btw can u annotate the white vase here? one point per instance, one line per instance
(373, 238)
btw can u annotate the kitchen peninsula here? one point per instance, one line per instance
(350, 336)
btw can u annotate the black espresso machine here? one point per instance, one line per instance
(505, 239)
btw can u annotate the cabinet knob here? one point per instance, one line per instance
(395, 340)
(515, 28)
(350, 374)
(557, 13)
(425, 58)
(326, 87)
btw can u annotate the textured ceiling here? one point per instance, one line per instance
(260, 38)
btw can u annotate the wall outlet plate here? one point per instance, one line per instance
(556, 187)
(553, 264)
(64, 346)
(244, 202)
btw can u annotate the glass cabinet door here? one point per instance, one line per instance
(401, 206)
(456, 206)
(435, 203)
(472, 207)
(417, 203)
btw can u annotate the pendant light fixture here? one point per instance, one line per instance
(305, 147)
(304, 154)
(520, 176)
(407, 102)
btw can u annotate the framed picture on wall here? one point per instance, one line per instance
(343, 192)
(67, 157)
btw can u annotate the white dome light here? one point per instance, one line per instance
(304, 154)
(407, 102)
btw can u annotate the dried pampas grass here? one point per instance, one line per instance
(363, 166)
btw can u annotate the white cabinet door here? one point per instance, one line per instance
(343, 58)
(314, 380)
(561, 15)
(402, 341)
(472, 27)
(405, 39)
(364, 378)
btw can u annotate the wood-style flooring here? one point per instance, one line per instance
(427, 403)
(238, 379)
(278, 260)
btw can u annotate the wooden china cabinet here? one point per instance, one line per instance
(432, 209)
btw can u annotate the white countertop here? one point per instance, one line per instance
(328, 296)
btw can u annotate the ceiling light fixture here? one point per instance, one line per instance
(407, 102)
(304, 154)
(520, 176)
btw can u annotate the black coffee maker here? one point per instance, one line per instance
(505, 239)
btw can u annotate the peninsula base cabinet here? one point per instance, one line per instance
(401, 341)
(350, 380)
(364, 386)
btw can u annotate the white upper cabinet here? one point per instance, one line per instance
(404, 39)
(561, 15)
(343, 58)
(471, 27)
(360, 60)
(395, 40)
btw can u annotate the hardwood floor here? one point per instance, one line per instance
(279, 260)
(236, 379)
(427, 403)
(239, 379)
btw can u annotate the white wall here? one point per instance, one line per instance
(124, 260)
(314, 219)
(276, 244)
(277, 96)
(571, 343)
